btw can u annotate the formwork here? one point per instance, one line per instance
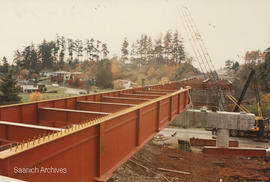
(84, 138)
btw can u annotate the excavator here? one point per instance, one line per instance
(261, 125)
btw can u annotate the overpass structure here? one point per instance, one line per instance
(84, 138)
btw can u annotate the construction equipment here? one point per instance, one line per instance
(262, 125)
(201, 54)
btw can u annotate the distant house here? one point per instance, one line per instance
(76, 75)
(46, 73)
(123, 84)
(29, 88)
(61, 74)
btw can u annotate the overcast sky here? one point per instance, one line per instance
(228, 27)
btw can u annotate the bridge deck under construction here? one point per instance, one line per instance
(84, 138)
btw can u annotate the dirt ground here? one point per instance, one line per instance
(143, 167)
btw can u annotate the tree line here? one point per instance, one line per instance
(167, 49)
(59, 54)
(90, 57)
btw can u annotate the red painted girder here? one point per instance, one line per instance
(101, 106)
(251, 152)
(162, 91)
(125, 100)
(143, 96)
(210, 142)
(150, 92)
(67, 115)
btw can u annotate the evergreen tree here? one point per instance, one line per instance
(158, 50)
(149, 50)
(104, 50)
(124, 50)
(55, 49)
(17, 57)
(235, 66)
(5, 67)
(168, 46)
(9, 90)
(178, 54)
(91, 49)
(46, 53)
(133, 54)
(30, 58)
(78, 47)
(70, 49)
(96, 51)
(62, 47)
(87, 49)
(264, 72)
(104, 74)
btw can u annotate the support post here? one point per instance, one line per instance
(178, 103)
(185, 99)
(171, 108)
(100, 148)
(138, 127)
(222, 137)
(158, 115)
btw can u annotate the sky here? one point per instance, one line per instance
(229, 27)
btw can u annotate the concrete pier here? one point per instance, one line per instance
(223, 121)
(222, 138)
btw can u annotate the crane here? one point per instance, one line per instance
(261, 125)
(201, 54)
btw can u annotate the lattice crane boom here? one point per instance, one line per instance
(201, 53)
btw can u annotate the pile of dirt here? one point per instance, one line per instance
(143, 166)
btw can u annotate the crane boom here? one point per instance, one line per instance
(201, 53)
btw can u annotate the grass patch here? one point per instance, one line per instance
(45, 96)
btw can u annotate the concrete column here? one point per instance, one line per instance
(222, 137)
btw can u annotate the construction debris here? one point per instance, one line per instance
(174, 171)
(202, 167)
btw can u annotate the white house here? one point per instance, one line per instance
(29, 88)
